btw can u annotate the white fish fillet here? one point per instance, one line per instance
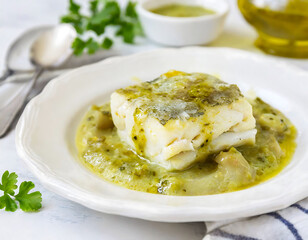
(180, 118)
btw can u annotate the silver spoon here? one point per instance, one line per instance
(50, 50)
(17, 60)
(19, 68)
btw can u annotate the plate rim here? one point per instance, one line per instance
(52, 183)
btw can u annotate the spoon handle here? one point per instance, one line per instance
(5, 75)
(9, 111)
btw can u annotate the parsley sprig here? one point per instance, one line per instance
(102, 14)
(28, 202)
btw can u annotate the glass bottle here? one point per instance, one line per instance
(282, 25)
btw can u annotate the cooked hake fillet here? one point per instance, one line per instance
(179, 118)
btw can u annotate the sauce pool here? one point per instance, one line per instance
(102, 151)
(180, 10)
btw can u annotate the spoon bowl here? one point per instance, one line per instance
(52, 48)
(17, 59)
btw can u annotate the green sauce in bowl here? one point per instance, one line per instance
(180, 10)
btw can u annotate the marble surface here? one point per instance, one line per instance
(60, 218)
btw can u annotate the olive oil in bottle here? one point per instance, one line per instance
(282, 25)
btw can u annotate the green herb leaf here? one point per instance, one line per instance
(108, 14)
(99, 29)
(107, 43)
(7, 202)
(74, 7)
(92, 46)
(78, 46)
(74, 17)
(76, 21)
(130, 10)
(8, 184)
(127, 32)
(28, 202)
(94, 6)
(103, 13)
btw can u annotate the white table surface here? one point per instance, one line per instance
(60, 218)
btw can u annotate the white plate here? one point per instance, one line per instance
(45, 134)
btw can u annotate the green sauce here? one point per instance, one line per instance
(102, 151)
(179, 10)
(174, 92)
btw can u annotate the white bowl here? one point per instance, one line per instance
(45, 134)
(174, 31)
